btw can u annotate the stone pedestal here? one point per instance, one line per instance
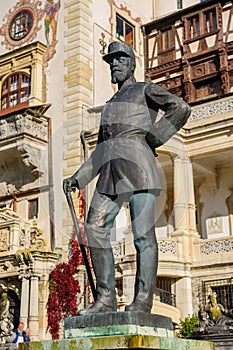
(118, 330)
(8, 346)
(121, 342)
(221, 336)
(118, 323)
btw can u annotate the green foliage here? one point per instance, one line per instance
(187, 326)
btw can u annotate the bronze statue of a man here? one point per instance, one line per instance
(125, 161)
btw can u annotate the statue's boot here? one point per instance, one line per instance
(103, 266)
(147, 263)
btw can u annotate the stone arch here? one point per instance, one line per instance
(14, 304)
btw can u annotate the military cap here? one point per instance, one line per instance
(117, 47)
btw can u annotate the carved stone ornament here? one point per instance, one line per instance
(30, 241)
(25, 138)
(6, 215)
(17, 124)
(168, 247)
(215, 225)
(4, 239)
(118, 249)
(212, 108)
(216, 247)
(7, 266)
(25, 235)
(31, 157)
(6, 318)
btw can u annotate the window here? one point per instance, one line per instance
(33, 208)
(201, 23)
(167, 40)
(15, 90)
(223, 289)
(124, 30)
(119, 286)
(224, 295)
(210, 21)
(179, 4)
(21, 25)
(194, 27)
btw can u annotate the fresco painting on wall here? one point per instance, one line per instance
(50, 21)
(21, 24)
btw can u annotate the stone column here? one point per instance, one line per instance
(33, 311)
(24, 305)
(184, 202)
(191, 196)
(36, 75)
(229, 202)
(184, 296)
(180, 194)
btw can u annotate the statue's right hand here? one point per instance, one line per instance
(69, 185)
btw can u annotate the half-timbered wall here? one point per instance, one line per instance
(190, 53)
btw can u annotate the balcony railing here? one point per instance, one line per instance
(165, 297)
(212, 108)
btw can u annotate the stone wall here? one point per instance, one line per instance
(77, 85)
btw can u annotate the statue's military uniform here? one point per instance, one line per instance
(124, 157)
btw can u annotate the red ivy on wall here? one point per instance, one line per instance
(63, 290)
(63, 287)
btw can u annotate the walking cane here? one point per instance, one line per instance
(82, 246)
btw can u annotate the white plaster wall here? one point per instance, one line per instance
(215, 204)
(103, 89)
(55, 78)
(162, 7)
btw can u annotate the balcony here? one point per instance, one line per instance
(23, 140)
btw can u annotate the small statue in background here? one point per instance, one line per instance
(6, 319)
(214, 310)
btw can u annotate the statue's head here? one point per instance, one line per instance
(213, 296)
(121, 59)
(116, 48)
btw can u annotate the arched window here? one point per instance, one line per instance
(14, 306)
(15, 90)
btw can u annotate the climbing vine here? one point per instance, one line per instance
(63, 286)
(63, 291)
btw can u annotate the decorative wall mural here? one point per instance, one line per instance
(50, 21)
(50, 25)
(21, 23)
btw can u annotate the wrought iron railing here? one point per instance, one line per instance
(165, 296)
(224, 290)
